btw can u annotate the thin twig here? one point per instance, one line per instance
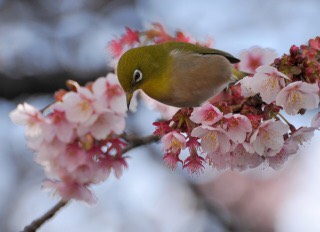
(41, 220)
(292, 128)
(133, 143)
(138, 141)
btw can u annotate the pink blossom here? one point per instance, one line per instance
(109, 94)
(277, 161)
(268, 81)
(243, 156)
(173, 141)
(248, 88)
(72, 157)
(218, 160)
(316, 121)
(131, 37)
(237, 127)
(78, 106)
(194, 164)
(72, 141)
(172, 159)
(268, 139)
(118, 165)
(47, 152)
(71, 191)
(181, 37)
(213, 140)
(162, 128)
(255, 57)
(102, 125)
(58, 126)
(290, 147)
(315, 43)
(298, 95)
(302, 135)
(206, 114)
(116, 47)
(30, 117)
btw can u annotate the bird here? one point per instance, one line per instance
(178, 74)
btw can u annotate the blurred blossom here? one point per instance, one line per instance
(76, 141)
(255, 57)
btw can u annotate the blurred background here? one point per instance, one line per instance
(43, 43)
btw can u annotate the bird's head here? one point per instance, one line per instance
(136, 68)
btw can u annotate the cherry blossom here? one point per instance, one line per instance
(70, 190)
(194, 164)
(237, 127)
(73, 138)
(207, 114)
(173, 141)
(268, 139)
(116, 47)
(298, 95)
(130, 37)
(172, 159)
(105, 123)
(213, 140)
(316, 121)
(30, 117)
(243, 156)
(302, 135)
(109, 94)
(78, 138)
(268, 81)
(315, 43)
(78, 105)
(254, 58)
(58, 126)
(248, 88)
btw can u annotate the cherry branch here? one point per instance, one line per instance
(41, 220)
(133, 142)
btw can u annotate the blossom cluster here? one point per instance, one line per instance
(76, 139)
(155, 35)
(243, 127)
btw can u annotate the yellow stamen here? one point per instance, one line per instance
(295, 99)
(176, 144)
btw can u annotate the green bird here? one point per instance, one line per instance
(176, 73)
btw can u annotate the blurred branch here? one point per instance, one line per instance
(138, 141)
(218, 212)
(38, 222)
(133, 143)
(11, 87)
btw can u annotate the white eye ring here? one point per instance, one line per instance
(137, 76)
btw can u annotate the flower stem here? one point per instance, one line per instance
(286, 121)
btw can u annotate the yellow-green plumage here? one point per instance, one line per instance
(176, 73)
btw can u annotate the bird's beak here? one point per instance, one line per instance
(129, 96)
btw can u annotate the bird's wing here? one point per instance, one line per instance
(210, 51)
(186, 47)
(198, 77)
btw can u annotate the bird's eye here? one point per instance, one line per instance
(137, 76)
